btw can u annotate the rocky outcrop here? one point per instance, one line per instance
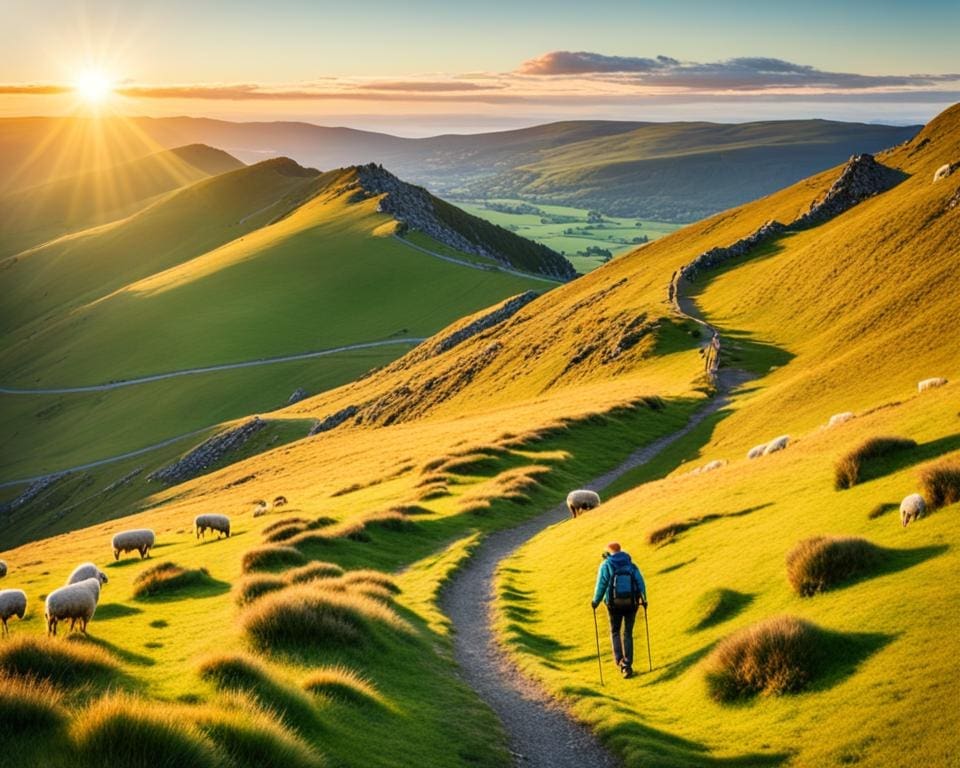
(505, 311)
(861, 178)
(334, 420)
(415, 208)
(298, 394)
(717, 256)
(208, 453)
(32, 491)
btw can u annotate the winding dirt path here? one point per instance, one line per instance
(209, 369)
(540, 732)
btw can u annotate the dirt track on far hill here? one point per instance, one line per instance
(540, 732)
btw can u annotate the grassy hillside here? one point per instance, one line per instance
(39, 213)
(492, 420)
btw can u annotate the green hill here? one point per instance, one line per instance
(488, 424)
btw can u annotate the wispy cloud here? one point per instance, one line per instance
(29, 89)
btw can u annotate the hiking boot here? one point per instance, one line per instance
(627, 671)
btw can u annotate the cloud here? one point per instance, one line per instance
(749, 73)
(421, 86)
(15, 89)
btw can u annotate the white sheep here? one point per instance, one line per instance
(13, 602)
(943, 171)
(777, 444)
(260, 508)
(581, 500)
(280, 501)
(3, 568)
(913, 507)
(138, 540)
(840, 418)
(87, 571)
(936, 381)
(77, 602)
(757, 451)
(712, 465)
(218, 523)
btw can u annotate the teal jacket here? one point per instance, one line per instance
(617, 560)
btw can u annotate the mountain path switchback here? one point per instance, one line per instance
(540, 732)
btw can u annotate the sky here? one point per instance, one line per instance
(424, 66)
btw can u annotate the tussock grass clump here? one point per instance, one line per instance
(240, 672)
(367, 576)
(283, 523)
(135, 733)
(390, 520)
(303, 617)
(410, 510)
(248, 736)
(284, 532)
(881, 509)
(819, 563)
(271, 557)
(255, 586)
(29, 706)
(342, 685)
(940, 484)
(852, 467)
(776, 656)
(320, 522)
(66, 664)
(318, 569)
(166, 578)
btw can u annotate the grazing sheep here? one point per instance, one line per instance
(937, 381)
(138, 540)
(943, 171)
(757, 451)
(13, 602)
(280, 501)
(581, 501)
(87, 571)
(712, 465)
(218, 523)
(840, 418)
(77, 602)
(777, 444)
(913, 507)
(260, 507)
(3, 569)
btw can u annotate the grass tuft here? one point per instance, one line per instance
(134, 733)
(256, 585)
(666, 533)
(853, 467)
(342, 685)
(819, 563)
(940, 484)
(271, 557)
(776, 656)
(29, 705)
(282, 523)
(166, 578)
(60, 663)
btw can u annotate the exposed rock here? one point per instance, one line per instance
(862, 177)
(123, 480)
(32, 491)
(505, 311)
(334, 420)
(717, 256)
(415, 208)
(298, 394)
(208, 453)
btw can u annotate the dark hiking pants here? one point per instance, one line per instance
(622, 649)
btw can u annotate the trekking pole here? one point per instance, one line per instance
(647, 624)
(596, 631)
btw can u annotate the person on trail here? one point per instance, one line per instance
(621, 587)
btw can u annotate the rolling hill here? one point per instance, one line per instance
(663, 171)
(843, 306)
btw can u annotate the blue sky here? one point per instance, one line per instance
(321, 60)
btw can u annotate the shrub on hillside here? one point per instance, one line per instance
(819, 563)
(61, 663)
(940, 484)
(167, 578)
(135, 733)
(776, 656)
(248, 736)
(271, 557)
(304, 617)
(850, 468)
(342, 685)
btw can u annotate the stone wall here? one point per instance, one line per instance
(208, 453)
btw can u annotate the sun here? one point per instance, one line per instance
(93, 86)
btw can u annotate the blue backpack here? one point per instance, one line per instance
(624, 591)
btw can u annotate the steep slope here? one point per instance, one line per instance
(35, 214)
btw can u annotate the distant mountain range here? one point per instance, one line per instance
(666, 171)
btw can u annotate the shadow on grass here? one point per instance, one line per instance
(893, 561)
(674, 669)
(842, 653)
(643, 745)
(530, 642)
(116, 611)
(675, 566)
(668, 533)
(130, 657)
(719, 605)
(899, 460)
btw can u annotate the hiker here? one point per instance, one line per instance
(620, 585)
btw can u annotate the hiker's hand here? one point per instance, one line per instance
(594, 604)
